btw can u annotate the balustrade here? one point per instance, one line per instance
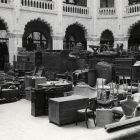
(107, 11)
(38, 4)
(133, 9)
(4, 1)
(68, 8)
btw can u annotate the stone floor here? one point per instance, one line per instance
(16, 123)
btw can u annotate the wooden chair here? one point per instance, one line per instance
(88, 111)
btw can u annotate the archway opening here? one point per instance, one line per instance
(134, 38)
(107, 38)
(4, 53)
(74, 34)
(37, 35)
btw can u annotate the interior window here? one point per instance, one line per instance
(106, 3)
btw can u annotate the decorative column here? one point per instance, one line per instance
(57, 42)
(92, 41)
(89, 42)
(93, 12)
(119, 6)
(15, 35)
(15, 41)
(58, 34)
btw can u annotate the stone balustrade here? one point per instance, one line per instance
(107, 11)
(133, 9)
(75, 9)
(4, 1)
(38, 4)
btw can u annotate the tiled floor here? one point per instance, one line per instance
(16, 123)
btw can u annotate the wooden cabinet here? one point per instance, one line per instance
(63, 110)
(123, 66)
(38, 103)
(40, 98)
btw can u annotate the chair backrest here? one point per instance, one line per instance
(92, 104)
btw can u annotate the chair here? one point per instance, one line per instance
(88, 111)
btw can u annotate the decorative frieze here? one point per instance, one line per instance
(14, 35)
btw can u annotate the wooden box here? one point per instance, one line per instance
(63, 110)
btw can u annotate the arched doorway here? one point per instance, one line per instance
(4, 53)
(37, 35)
(134, 38)
(107, 38)
(74, 34)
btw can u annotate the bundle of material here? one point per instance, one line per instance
(122, 124)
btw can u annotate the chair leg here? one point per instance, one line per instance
(94, 120)
(76, 119)
(86, 120)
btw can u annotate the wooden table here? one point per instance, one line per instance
(63, 110)
(33, 81)
(67, 86)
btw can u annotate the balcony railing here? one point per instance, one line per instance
(38, 4)
(68, 8)
(6, 4)
(4, 1)
(107, 12)
(133, 9)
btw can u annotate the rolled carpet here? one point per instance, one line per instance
(123, 124)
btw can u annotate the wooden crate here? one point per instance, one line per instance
(63, 110)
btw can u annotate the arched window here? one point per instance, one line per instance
(107, 38)
(73, 35)
(36, 40)
(37, 35)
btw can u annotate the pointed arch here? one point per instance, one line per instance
(107, 37)
(4, 53)
(37, 33)
(134, 37)
(74, 34)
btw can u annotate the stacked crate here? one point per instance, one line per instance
(23, 63)
(123, 66)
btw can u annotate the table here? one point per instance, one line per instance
(63, 110)
(67, 86)
(33, 81)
